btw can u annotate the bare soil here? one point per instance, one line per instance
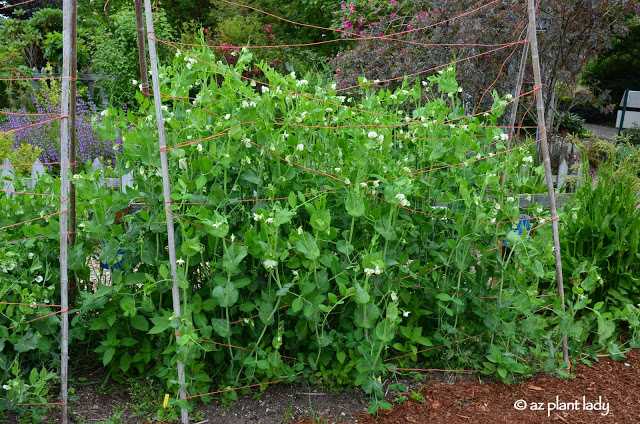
(546, 399)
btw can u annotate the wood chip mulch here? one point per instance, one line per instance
(545, 399)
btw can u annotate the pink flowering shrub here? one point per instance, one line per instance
(359, 15)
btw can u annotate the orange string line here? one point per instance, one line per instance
(430, 69)
(33, 125)
(17, 4)
(355, 34)
(317, 43)
(42, 317)
(31, 220)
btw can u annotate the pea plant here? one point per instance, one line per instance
(323, 235)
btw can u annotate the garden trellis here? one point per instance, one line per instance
(200, 214)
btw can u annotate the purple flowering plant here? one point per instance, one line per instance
(46, 137)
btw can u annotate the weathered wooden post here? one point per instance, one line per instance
(64, 189)
(166, 189)
(547, 162)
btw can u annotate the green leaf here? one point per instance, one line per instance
(218, 226)
(232, 258)
(297, 304)
(125, 361)
(308, 247)
(341, 356)
(26, 343)
(606, 328)
(366, 315)
(361, 296)
(321, 220)
(444, 297)
(293, 200)
(226, 296)
(160, 325)
(221, 327)
(355, 203)
(108, 355)
(140, 323)
(502, 372)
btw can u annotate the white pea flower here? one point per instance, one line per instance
(300, 147)
(39, 279)
(460, 90)
(134, 82)
(369, 271)
(504, 137)
(292, 75)
(497, 206)
(257, 217)
(270, 264)
(302, 82)
(104, 112)
(338, 170)
(188, 110)
(200, 148)
(363, 185)
(30, 255)
(394, 296)
(376, 183)
(180, 262)
(347, 181)
(299, 230)
(265, 89)
(253, 83)
(373, 134)
(511, 199)
(247, 142)
(227, 116)
(528, 159)
(406, 313)
(269, 221)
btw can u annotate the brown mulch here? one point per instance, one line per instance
(615, 384)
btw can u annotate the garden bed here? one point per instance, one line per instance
(437, 399)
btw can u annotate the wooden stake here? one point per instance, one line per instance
(142, 53)
(64, 188)
(547, 162)
(72, 136)
(516, 95)
(175, 290)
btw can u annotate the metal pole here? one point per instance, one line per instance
(64, 187)
(142, 54)
(547, 162)
(175, 290)
(516, 95)
(72, 135)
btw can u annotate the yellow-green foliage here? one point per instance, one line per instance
(25, 153)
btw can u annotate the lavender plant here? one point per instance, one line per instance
(46, 137)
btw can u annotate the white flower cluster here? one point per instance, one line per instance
(528, 159)
(371, 271)
(402, 199)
